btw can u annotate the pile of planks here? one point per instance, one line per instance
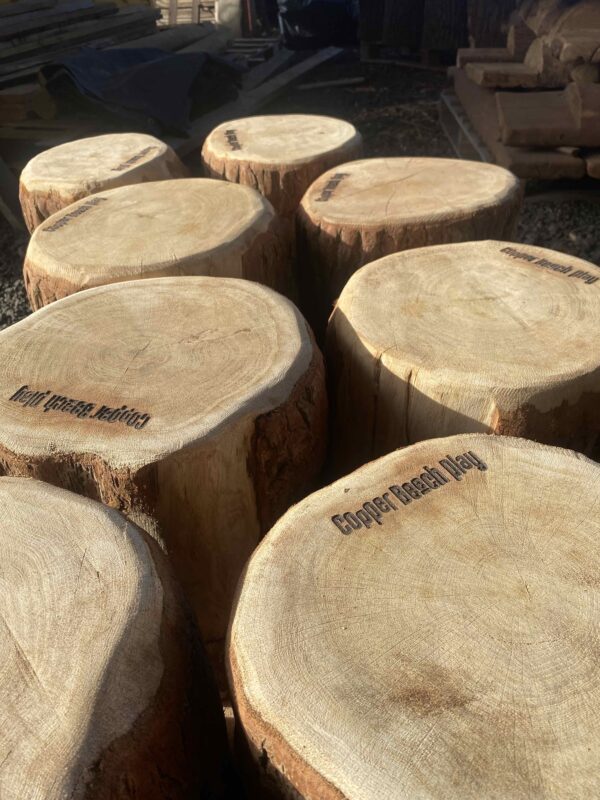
(535, 103)
(34, 32)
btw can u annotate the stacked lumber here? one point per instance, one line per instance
(540, 93)
(34, 32)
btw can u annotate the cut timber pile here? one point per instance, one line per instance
(426, 628)
(61, 175)
(196, 406)
(280, 155)
(31, 36)
(192, 226)
(106, 692)
(551, 45)
(366, 209)
(478, 337)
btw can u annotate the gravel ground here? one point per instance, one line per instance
(13, 300)
(395, 108)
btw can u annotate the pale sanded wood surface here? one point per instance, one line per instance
(193, 226)
(441, 648)
(364, 210)
(213, 422)
(485, 336)
(279, 154)
(105, 691)
(66, 173)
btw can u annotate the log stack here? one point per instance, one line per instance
(426, 627)
(477, 337)
(195, 406)
(536, 102)
(106, 691)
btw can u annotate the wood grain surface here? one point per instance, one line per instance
(195, 406)
(194, 226)
(367, 209)
(426, 628)
(106, 693)
(478, 337)
(61, 175)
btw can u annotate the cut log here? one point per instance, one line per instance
(280, 155)
(367, 209)
(192, 226)
(542, 15)
(582, 15)
(503, 75)
(106, 691)
(425, 628)
(477, 337)
(196, 406)
(61, 175)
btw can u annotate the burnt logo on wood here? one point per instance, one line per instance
(49, 401)
(331, 186)
(66, 218)
(232, 139)
(372, 512)
(134, 159)
(553, 266)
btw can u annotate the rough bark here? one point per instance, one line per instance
(67, 173)
(150, 724)
(396, 654)
(463, 339)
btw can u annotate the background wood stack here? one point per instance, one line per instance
(535, 103)
(432, 25)
(34, 32)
